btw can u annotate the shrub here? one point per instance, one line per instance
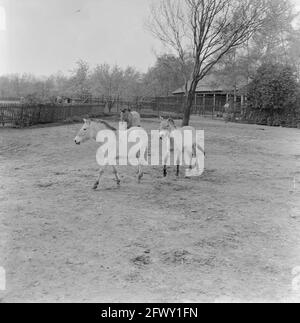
(273, 95)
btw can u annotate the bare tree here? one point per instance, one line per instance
(205, 30)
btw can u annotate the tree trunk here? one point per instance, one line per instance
(189, 104)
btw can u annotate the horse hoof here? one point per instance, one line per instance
(95, 186)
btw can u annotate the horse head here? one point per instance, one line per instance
(84, 133)
(166, 127)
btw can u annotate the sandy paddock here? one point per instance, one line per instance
(232, 235)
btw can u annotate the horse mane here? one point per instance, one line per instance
(126, 110)
(107, 125)
(172, 122)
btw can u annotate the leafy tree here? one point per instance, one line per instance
(271, 41)
(274, 91)
(275, 42)
(165, 76)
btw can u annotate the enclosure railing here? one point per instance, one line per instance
(27, 115)
(22, 115)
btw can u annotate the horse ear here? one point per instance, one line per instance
(161, 118)
(87, 121)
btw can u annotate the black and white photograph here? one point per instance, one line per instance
(149, 154)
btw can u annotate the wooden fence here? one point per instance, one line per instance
(21, 115)
(146, 106)
(27, 115)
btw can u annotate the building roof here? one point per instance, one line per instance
(213, 84)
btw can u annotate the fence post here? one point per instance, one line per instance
(39, 115)
(21, 116)
(242, 106)
(2, 118)
(214, 106)
(157, 106)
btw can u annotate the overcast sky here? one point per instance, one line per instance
(45, 36)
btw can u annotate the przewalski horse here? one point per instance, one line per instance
(169, 130)
(132, 118)
(90, 131)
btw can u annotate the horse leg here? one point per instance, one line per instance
(116, 175)
(165, 162)
(101, 172)
(194, 154)
(178, 167)
(165, 171)
(191, 157)
(140, 173)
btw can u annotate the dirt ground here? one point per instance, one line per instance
(232, 235)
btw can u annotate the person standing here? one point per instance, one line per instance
(226, 111)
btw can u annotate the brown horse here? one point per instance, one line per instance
(132, 118)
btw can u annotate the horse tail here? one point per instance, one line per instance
(200, 148)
